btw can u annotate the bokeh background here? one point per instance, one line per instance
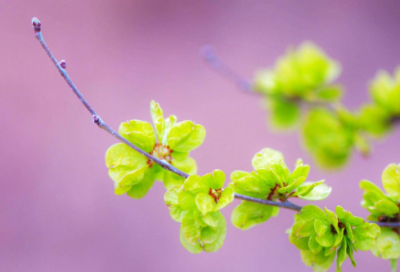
(58, 211)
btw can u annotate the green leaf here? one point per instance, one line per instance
(323, 262)
(332, 93)
(313, 212)
(387, 245)
(169, 123)
(221, 230)
(186, 200)
(393, 264)
(205, 203)
(332, 219)
(314, 191)
(313, 245)
(328, 139)
(191, 230)
(140, 189)
(158, 119)
(341, 255)
(391, 181)
(186, 136)
(250, 183)
(350, 254)
(129, 180)
(346, 217)
(300, 171)
(171, 180)
(215, 180)
(284, 113)
(387, 207)
(365, 236)
(369, 186)
(123, 160)
(139, 133)
(266, 157)
(305, 229)
(307, 257)
(208, 235)
(325, 237)
(250, 214)
(195, 185)
(212, 219)
(171, 196)
(225, 199)
(177, 213)
(292, 186)
(300, 243)
(192, 248)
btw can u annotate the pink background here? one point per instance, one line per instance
(58, 211)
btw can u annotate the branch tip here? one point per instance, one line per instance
(208, 53)
(36, 25)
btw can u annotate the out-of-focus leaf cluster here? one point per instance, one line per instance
(320, 235)
(272, 180)
(302, 81)
(304, 74)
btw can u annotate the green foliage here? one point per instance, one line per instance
(331, 136)
(378, 117)
(197, 204)
(133, 173)
(303, 77)
(322, 235)
(385, 208)
(272, 180)
(304, 74)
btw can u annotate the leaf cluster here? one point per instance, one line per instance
(272, 180)
(303, 74)
(302, 79)
(196, 205)
(171, 141)
(320, 235)
(384, 207)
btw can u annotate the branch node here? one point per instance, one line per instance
(97, 120)
(36, 25)
(63, 64)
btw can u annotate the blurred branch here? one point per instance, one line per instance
(36, 25)
(209, 55)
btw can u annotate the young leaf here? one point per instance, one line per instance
(158, 119)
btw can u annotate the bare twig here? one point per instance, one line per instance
(95, 117)
(218, 65)
(36, 25)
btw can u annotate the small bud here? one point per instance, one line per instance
(96, 119)
(63, 64)
(36, 25)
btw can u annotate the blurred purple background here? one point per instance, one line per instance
(58, 211)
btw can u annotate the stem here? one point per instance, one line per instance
(101, 124)
(216, 63)
(286, 204)
(95, 117)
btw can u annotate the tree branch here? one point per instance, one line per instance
(208, 53)
(36, 25)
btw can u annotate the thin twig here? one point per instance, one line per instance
(101, 124)
(95, 117)
(218, 65)
(286, 204)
